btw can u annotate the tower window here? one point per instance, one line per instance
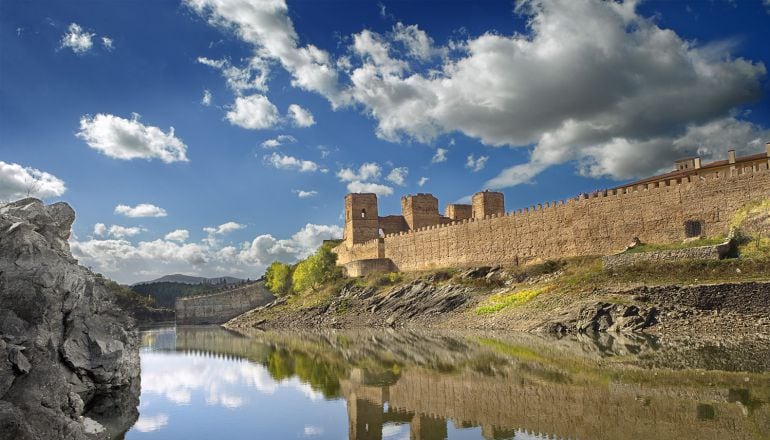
(363, 213)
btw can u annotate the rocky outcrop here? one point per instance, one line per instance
(69, 359)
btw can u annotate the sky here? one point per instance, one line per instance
(212, 137)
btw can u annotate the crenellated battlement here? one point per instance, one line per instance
(595, 223)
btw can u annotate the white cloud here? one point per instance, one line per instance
(422, 181)
(301, 117)
(206, 99)
(278, 141)
(398, 175)
(108, 43)
(252, 77)
(284, 162)
(440, 156)
(254, 112)
(130, 139)
(367, 171)
(116, 231)
(312, 431)
(586, 78)
(224, 228)
(302, 194)
(368, 187)
(418, 44)
(141, 210)
(77, 39)
(475, 164)
(265, 249)
(17, 181)
(267, 27)
(147, 423)
(180, 235)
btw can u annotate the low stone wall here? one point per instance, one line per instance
(715, 252)
(219, 308)
(359, 268)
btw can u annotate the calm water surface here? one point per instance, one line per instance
(208, 383)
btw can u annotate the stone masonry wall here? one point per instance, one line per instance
(695, 253)
(598, 224)
(220, 307)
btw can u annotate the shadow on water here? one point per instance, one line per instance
(424, 385)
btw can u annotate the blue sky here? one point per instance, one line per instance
(273, 100)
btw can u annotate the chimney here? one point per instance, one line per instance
(697, 163)
(731, 156)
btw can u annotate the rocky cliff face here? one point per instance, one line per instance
(69, 359)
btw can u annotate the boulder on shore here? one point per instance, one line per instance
(69, 357)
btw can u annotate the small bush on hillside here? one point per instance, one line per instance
(278, 278)
(316, 270)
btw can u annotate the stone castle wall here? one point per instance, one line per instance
(598, 224)
(219, 308)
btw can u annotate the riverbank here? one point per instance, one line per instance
(726, 300)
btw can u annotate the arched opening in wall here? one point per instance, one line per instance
(381, 233)
(363, 213)
(693, 228)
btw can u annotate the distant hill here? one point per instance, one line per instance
(165, 292)
(188, 279)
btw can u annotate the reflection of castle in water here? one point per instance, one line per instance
(502, 395)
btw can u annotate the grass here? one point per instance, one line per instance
(498, 302)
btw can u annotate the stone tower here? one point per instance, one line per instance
(420, 210)
(361, 218)
(487, 202)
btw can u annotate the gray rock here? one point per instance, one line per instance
(64, 344)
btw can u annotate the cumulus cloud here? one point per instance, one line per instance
(587, 80)
(77, 39)
(224, 228)
(398, 175)
(285, 162)
(301, 117)
(252, 77)
(439, 156)
(367, 171)
(127, 261)
(254, 112)
(369, 187)
(422, 181)
(180, 235)
(267, 27)
(17, 181)
(278, 141)
(360, 181)
(116, 231)
(108, 44)
(265, 249)
(130, 139)
(476, 164)
(302, 194)
(206, 99)
(141, 210)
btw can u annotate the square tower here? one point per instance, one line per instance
(420, 210)
(458, 212)
(361, 218)
(487, 202)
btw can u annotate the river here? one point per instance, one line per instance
(209, 383)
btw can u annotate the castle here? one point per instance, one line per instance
(693, 200)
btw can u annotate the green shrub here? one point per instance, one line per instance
(278, 278)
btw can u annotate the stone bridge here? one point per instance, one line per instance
(218, 308)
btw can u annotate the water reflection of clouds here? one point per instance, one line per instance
(177, 376)
(151, 423)
(395, 432)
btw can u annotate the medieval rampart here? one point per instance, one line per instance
(597, 224)
(220, 307)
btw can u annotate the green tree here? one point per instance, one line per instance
(278, 278)
(316, 270)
